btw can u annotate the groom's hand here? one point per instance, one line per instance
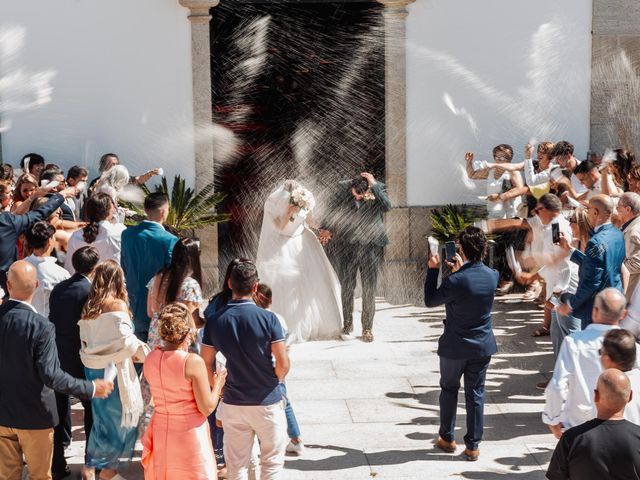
(324, 236)
(369, 177)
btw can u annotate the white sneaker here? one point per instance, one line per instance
(295, 448)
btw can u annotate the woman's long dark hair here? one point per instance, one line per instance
(98, 209)
(224, 295)
(185, 262)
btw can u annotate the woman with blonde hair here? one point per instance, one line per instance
(26, 191)
(110, 347)
(177, 443)
(580, 228)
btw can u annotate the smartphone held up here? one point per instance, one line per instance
(450, 251)
(555, 233)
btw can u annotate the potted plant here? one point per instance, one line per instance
(447, 223)
(188, 210)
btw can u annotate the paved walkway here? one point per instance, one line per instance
(370, 410)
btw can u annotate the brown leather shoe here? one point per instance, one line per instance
(472, 455)
(449, 447)
(367, 336)
(347, 329)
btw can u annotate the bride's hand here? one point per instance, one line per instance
(324, 236)
(292, 210)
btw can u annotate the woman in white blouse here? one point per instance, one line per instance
(101, 232)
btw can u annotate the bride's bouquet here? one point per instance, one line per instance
(302, 198)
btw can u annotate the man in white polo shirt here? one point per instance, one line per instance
(569, 395)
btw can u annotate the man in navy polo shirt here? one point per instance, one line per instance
(250, 338)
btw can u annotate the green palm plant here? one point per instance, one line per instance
(447, 222)
(188, 210)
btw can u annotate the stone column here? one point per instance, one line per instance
(199, 16)
(395, 13)
(397, 268)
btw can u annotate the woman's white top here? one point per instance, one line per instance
(49, 275)
(107, 243)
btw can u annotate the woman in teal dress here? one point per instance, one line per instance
(108, 343)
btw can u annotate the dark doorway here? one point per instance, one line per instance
(298, 92)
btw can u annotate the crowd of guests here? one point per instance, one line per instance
(570, 232)
(113, 316)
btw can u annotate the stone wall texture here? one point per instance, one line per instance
(616, 29)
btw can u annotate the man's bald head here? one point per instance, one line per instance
(613, 393)
(609, 307)
(22, 280)
(603, 203)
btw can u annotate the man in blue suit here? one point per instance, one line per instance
(29, 374)
(146, 249)
(466, 346)
(601, 263)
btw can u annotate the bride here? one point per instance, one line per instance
(306, 290)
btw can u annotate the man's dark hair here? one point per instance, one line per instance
(360, 185)
(103, 160)
(584, 167)
(50, 174)
(505, 150)
(85, 259)
(39, 234)
(154, 201)
(473, 242)
(550, 202)
(77, 171)
(34, 159)
(6, 172)
(561, 148)
(620, 345)
(243, 276)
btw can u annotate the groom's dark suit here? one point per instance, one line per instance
(358, 241)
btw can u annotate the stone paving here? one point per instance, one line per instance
(370, 410)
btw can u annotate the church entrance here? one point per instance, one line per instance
(298, 92)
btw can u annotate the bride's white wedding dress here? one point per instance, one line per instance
(306, 290)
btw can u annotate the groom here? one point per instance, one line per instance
(355, 229)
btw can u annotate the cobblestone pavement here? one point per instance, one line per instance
(370, 410)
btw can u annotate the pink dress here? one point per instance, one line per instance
(177, 443)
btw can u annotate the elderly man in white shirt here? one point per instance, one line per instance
(619, 351)
(569, 395)
(40, 238)
(628, 211)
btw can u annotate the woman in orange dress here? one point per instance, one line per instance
(177, 443)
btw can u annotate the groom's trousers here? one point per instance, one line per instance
(349, 259)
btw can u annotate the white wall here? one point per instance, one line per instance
(120, 81)
(480, 73)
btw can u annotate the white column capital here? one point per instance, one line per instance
(199, 9)
(396, 3)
